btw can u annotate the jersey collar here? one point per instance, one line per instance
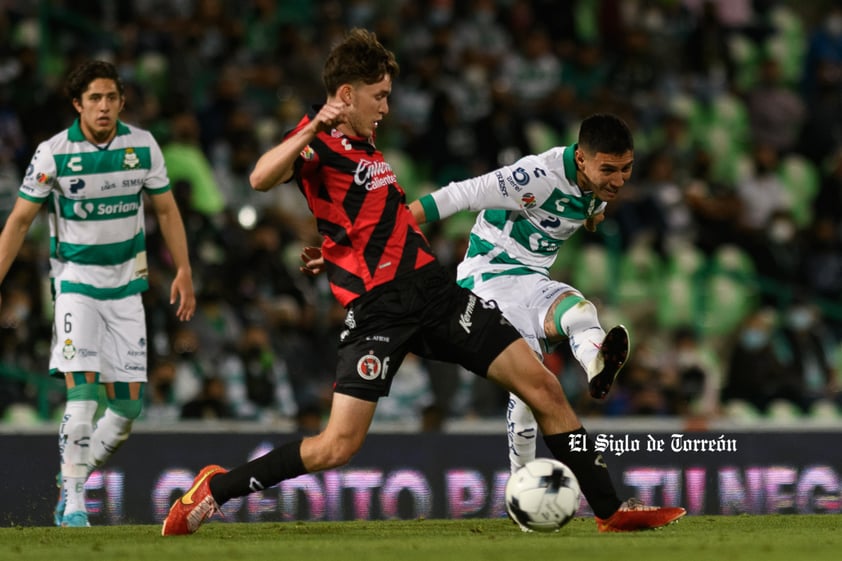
(74, 133)
(569, 159)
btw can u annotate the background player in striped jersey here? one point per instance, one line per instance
(528, 210)
(399, 299)
(92, 178)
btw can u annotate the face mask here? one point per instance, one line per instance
(754, 339)
(800, 319)
(484, 16)
(834, 25)
(439, 16)
(782, 231)
(685, 359)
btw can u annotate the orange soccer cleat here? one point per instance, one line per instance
(194, 507)
(633, 516)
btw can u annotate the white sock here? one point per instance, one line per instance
(74, 450)
(522, 429)
(581, 325)
(110, 433)
(74, 493)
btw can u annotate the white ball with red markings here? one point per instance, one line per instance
(543, 495)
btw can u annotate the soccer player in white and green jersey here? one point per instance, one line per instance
(93, 177)
(528, 210)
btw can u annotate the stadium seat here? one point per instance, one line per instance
(746, 57)
(729, 295)
(837, 356)
(722, 128)
(678, 289)
(781, 410)
(409, 176)
(153, 72)
(640, 272)
(541, 137)
(824, 410)
(802, 181)
(21, 415)
(591, 273)
(740, 411)
(566, 258)
(788, 43)
(458, 226)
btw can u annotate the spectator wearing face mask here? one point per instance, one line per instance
(807, 352)
(755, 375)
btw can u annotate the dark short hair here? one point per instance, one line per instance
(359, 57)
(605, 133)
(81, 77)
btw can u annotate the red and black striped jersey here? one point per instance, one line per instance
(369, 235)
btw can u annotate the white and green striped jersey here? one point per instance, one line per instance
(94, 196)
(528, 209)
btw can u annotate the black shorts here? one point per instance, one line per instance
(425, 313)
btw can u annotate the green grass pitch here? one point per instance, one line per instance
(727, 538)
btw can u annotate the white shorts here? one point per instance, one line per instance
(104, 336)
(525, 301)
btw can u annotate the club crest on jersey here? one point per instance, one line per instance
(130, 159)
(528, 200)
(68, 351)
(308, 153)
(369, 367)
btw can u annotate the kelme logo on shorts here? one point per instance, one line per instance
(465, 317)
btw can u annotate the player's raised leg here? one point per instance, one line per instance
(602, 370)
(601, 354)
(124, 405)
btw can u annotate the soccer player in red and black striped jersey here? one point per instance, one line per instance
(399, 299)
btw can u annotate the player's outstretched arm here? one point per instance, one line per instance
(489, 191)
(14, 233)
(417, 210)
(172, 228)
(277, 165)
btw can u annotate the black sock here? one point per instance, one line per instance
(576, 450)
(283, 462)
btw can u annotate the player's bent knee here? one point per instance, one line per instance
(83, 392)
(328, 455)
(127, 408)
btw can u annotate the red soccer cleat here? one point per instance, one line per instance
(194, 507)
(633, 516)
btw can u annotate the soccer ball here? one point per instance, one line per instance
(543, 495)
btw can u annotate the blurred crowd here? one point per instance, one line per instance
(723, 254)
